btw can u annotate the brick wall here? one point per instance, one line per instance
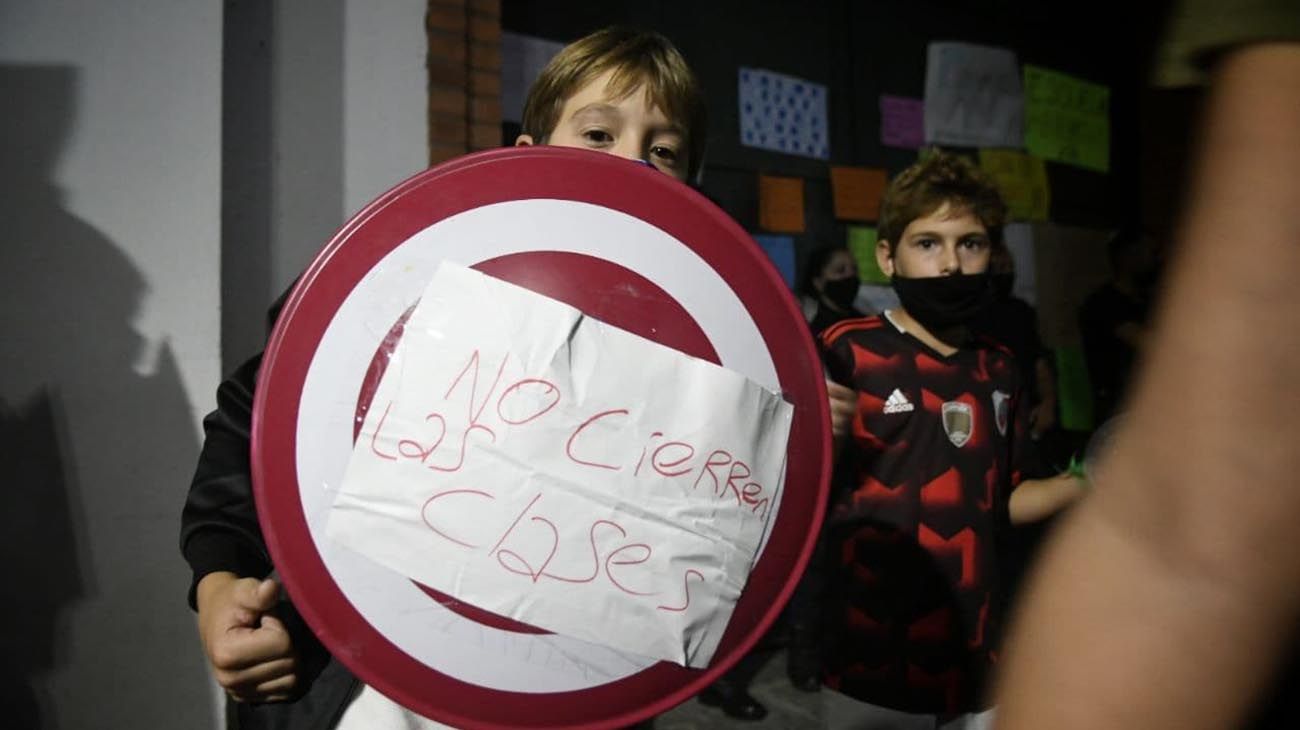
(464, 67)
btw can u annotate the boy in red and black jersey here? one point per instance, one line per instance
(925, 482)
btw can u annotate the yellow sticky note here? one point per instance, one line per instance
(1022, 180)
(857, 192)
(780, 204)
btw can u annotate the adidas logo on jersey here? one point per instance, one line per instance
(898, 403)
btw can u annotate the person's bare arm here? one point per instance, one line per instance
(1034, 500)
(1167, 596)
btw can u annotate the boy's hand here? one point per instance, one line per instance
(249, 648)
(843, 402)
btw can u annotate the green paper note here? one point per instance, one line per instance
(862, 243)
(1067, 119)
(1073, 391)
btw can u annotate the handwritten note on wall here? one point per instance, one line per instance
(861, 241)
(780, 204)
(856, 192)
(783, 114)
(1022, 180)
(780, 250)
(902, 122)
(972, 96)
(548, 467)
(1067, 119)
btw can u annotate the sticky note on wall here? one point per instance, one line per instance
(780, 249)
(902, 122)
(1067, 119)
(862, 243)
(783, 113)
(1073, 392)
(1022, 180)
(780, 204)
(972, 96)
(857, 192)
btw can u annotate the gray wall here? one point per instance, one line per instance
(324, 111)
(122, 202)
(108, 270)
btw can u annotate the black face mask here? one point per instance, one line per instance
(943, 302)
(841, 292)
(1003, 284)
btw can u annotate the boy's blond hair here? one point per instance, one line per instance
(927, 185)
(637, 58)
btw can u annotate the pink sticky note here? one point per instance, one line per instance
(902, 121)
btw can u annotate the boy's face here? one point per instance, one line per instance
(629, 127)
(841, 265)
(939, 244)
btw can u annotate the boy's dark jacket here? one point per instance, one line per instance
(219, 531)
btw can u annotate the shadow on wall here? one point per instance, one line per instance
(94, 631)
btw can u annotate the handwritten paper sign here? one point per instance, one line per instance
(856, 192)
(780, 204)
(553, 469)
(1022, 180)
(780, 249)
(972, 96)
(902, 122)
(783, 113)
(1067, 119)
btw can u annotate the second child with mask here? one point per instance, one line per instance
(832, 283)
(932, 469)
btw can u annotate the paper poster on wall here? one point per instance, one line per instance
(780, 204)
(1022, 180)
(902, 122)
(1070, 263)
(780, 249)
(1019, 239)
(1073, 389)
(783, 113)
(861, 241)
(856, 192)
(1067, 119)
(972, 96)
(513, 439)
(875, 298)
(522, 59)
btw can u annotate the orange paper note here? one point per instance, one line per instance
(780, 204)
(857, 192)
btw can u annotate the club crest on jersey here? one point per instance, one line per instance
(1001, 410)
(958, 422)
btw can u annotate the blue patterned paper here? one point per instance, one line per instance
(783, 113)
